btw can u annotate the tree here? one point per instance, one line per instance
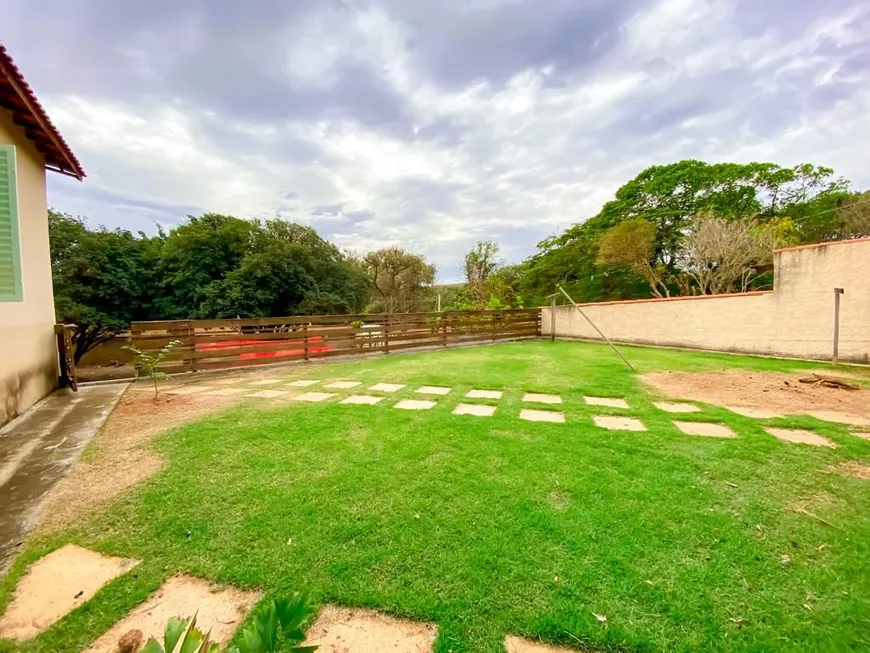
(853, 217)
(100, 279)
(400, 280)
(632, 244)
(723, 255)
(480, 263)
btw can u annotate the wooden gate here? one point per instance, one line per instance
(222, 344)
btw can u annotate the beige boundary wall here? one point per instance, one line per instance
(794, 320)
(28, 350)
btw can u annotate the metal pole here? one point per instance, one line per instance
(836, 357)
(553, 319)
(439, 302)
(600, 332)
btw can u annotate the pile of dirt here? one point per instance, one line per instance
(120, 456)
(782, 393)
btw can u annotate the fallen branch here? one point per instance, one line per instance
(816, 517)
(829, 382)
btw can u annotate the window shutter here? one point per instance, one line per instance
(10, 252)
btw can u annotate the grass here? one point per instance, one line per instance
(495, 526)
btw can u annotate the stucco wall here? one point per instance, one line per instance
(796, 319)
(28, 358)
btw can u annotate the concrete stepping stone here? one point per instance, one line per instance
(314, 397)
(342, 385)
(706, 429)
(612, 402)
(542, 416)
(538, 398)
(387, 387)
(267, 394)
(474, 409)
(343, 630)
(187, 390)
(432, 390)
(225, 392)
(55, 585)
(514, 644)
(484, 394)
(265, 382)
(303, 383)
(414, 404)
(839, 418)
(612, 423)
(862, 434)
(368, 400)
(219, 610)
(754, 413)
(800, 436)
(676, 407)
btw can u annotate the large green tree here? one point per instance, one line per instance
(101, 279)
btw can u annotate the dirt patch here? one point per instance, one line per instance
(218, 610)
(767, 391)
(515, 644)
(559, 500)
(120, 456)
(343, 630)
(856, 469)
(55, 586)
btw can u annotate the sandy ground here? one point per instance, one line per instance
(514, 644)
(56, 585)
(768, 391)
(120, 456)
(346, 630)
(218, 610)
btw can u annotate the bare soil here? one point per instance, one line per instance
(768, 391)
(515, 644)
(56, 585)
(856, 469)
(217, 610)
(347, 630)
(119, 456)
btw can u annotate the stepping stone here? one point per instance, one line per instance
(800, 436)
(414, 404)
(302, 383)
(484, 394)
(387, 387)
(339, 630)
(514, 644)
(676, 407)
(542, 398)
(612, 402)
(225, 381)
(542, 416)
(863, 435)
(755, 413)
(839, 418)
(474, 409)
(220, 611)
(314, 396)
(267, 394)
(706, 429)
(432, 390)
(361, 399)
(343, 385)
(187, 390)
(618, 423)
(55, 585)
(265, 382)
(225, 392)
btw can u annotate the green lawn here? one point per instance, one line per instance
(496, 526)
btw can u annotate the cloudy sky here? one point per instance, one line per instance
(431, 123)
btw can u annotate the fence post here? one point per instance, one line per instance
(305, 339)
(387, 335)
(553, 319)
(443, 328)
(66, 353)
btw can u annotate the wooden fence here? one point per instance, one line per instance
(222, 344)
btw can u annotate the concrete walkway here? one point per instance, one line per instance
(38, 448)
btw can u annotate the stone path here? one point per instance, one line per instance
(608, 421)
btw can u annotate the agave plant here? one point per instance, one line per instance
(279, 621)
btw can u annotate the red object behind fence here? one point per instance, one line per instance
(315, 345)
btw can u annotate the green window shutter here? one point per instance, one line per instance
(10, 247)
